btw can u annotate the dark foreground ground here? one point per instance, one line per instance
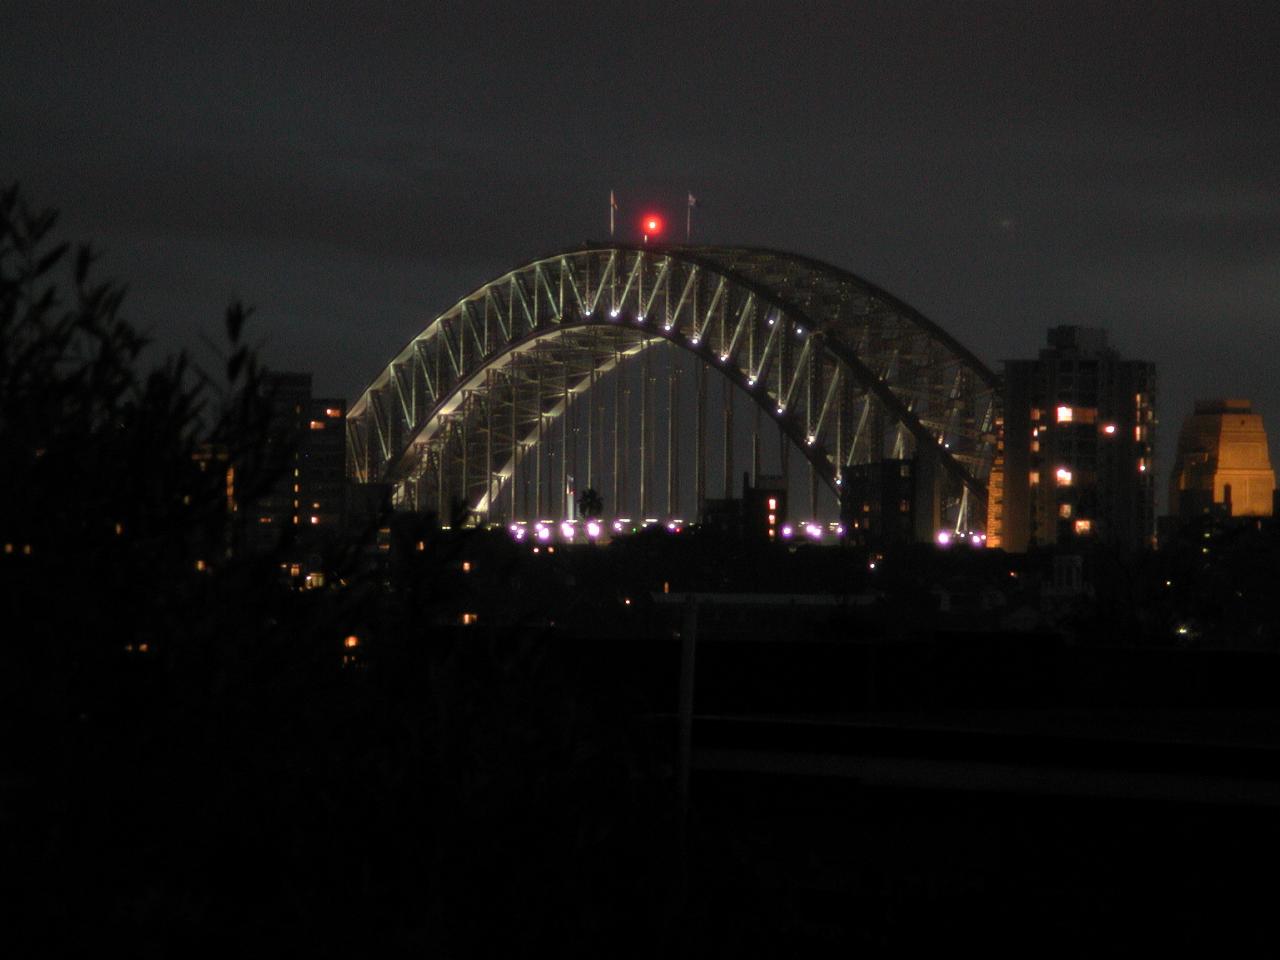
(490, 795)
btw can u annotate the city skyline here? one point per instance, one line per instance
(1002, 169)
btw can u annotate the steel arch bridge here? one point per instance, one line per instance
(850, 374)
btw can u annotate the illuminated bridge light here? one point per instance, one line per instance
(593, 529)
(613, 314)
(544, 534)
(566, 530)
(944, 538)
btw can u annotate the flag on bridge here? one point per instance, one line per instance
(613, 208)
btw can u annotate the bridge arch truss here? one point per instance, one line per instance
(850, 374)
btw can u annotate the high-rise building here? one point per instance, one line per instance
(306, 457)
(1222, 464)
(1075, 457)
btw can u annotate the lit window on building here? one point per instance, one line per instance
(1065, 414)
(264, 519)
(1034, 477)
(1064, 477)
(1084, 526)
(1035, 413)
(351, 642)
(201, 566)
(317, 424)
(332, 412)
(315, 519)
(295, 569)
(773, 505)
(466, 566)
(1109, 429)
(1142, 466)
(469, 618)
(773, 518)
(1064, 510)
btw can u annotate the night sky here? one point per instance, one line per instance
(353, 171)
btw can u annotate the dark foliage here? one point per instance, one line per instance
(195, 759)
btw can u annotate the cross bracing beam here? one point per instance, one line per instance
(806, 341)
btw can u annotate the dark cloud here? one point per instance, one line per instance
(353, 169)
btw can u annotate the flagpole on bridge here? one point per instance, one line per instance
(613, 209)
(688, 217)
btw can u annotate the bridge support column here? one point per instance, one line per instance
(564, 497)
(537, 444)
(488, 445)
(646, 372)
(617, 436)
(673, 444)
(726, 397)
(784, 460)
(700, 443)
(755, 448)
(515, 448)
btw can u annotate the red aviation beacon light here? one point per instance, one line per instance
(651, 226)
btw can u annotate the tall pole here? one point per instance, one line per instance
(440, 450)
(463, 464)
(565, 510)
(726, 398)
(700, 442)
(515, 449)
(645, 369)
(617, 423)
(537, 450)
(755, 449)
(488, 445)
(784, 458)
(591, 427)
(673, 450)
(626, 446)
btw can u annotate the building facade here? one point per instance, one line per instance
(1222, 465)
(1075, 457)
(306, 456)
